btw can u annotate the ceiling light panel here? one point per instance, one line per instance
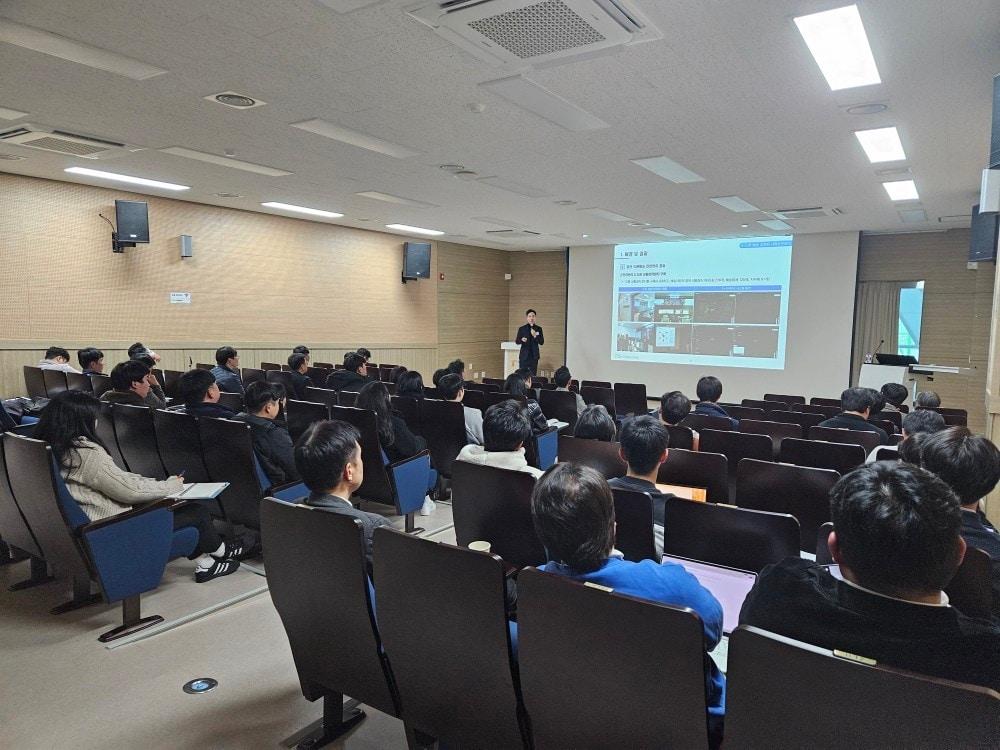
(838, 42)
(542, 102)
(11, 114)
(881, 144)
(902, 190)
(125, 178)
(603, 213)
(375, 195)
(355, 138)
(224, 161)
(414, 230)
(302, 210)
(734, 203)
(668, 169)
(664, 232)
(48, 43)
(775, 224)
(513, 187)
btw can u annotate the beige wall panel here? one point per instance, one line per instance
(539, 282)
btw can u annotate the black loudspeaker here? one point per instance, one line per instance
(416, 261)
(984, 236)
(132, 218)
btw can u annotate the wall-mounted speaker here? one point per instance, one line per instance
(132, 218)
(416, 261)
(187, 246)
(989, 192)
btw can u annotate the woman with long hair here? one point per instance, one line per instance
(518, 383)
(394, 435)
(68, 424)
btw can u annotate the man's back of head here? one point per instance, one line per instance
(927, 400)
(127, 372)
(674, 406)
(506, 427)
(895, 393)
(969, 464)
(644, 441)
(323, 452)
(709, 388)
(457, 367)
(54, 352)
(921, 421)
(896, 529)
(450, 386)
(857, 400)
(223, 354)
(353, 361)
(562, 377)
(193, 386)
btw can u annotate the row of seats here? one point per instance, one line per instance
(442, 657)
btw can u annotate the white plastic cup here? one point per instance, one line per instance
(480, 546)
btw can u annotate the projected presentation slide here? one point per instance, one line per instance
(718, 303)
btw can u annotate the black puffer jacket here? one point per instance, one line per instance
(273, 446)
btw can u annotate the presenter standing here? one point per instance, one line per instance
(530, 337)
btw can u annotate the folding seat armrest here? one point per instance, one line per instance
(288, 492)
(164, 504)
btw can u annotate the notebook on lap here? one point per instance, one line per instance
(729, 585)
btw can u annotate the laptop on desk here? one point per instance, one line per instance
(729, 585)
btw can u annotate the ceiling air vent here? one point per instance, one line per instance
(519, 34)
(814, 212)
(512, 233)
(42, 138)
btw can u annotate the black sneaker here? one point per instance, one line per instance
(233, 550)
(219, 568)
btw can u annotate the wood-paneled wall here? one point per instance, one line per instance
(538, 281)
(958, 308)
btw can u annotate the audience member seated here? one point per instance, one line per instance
(644, 443)
(709, 390)
(227, 370)
(328, 458)
(970, 465)
(132, 383)
(856, 405)
(353, 377)
(398, 371)
(68, 424)
(365, 354)
(450, 388)
(916, 422)
(518, 383)
(562, 377)
(506, 428)
(674, 406)
(897, 540)
(302, 349)
(596, 424)
(394, 434)
(200, 394)
(298, 364)
(139, 348)
(56, 358)
(574, 517)
(895, 394)
(927, 400)
(271, 441)
(438, 374)
(457, 367)
(410, 384)
(91, 360)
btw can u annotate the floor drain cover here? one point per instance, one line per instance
(201, 685)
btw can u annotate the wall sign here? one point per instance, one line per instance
(180, 298)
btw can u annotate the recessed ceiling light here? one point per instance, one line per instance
(775, 224)
(224, 161)
(355, 138)
(837, 40)
(881, 144)
(534, 98)
(734, 203)
(901, 190)
(664, 232)
(235, 100)
(893, 172)
(668, 169)
(584, 236)
(11, 114)
(375, 195)
(744, 226)
(873, 108)
(302, 210)
(125, 178)
(48, 43)
(414, 230)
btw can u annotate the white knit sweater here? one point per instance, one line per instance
(103, 490)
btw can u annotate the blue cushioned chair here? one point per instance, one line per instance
(125, 554)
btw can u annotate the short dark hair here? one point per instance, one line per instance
(969, 464)
(506, 426)
(224, 353)
(395, 373)
(301, 349)
(709, 388)
(193, 385)
(514, 385)
(296, 360)
(144, 358)
(897, 527)
(138, 346)
(594, 423)
(438, 374)
(574, 516)
(56, 351)
(562, 376)
(674, 406)
(927, 400)
(353, 361)
(877, 399)
(857, 399)
(89, 356)
(322, 452)
(449, 386)
(127, 372)
(922, 420)
(895, 393)
(643, 441)
(365, 353)
(260, 393)
(529, 311)
(456, 366)
(909, 449)
(410, 383)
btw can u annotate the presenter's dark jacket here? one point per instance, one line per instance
(854, 422)
(529, 349)
(981, 534)
(346, 380)
(273, 446)
(801, 600)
